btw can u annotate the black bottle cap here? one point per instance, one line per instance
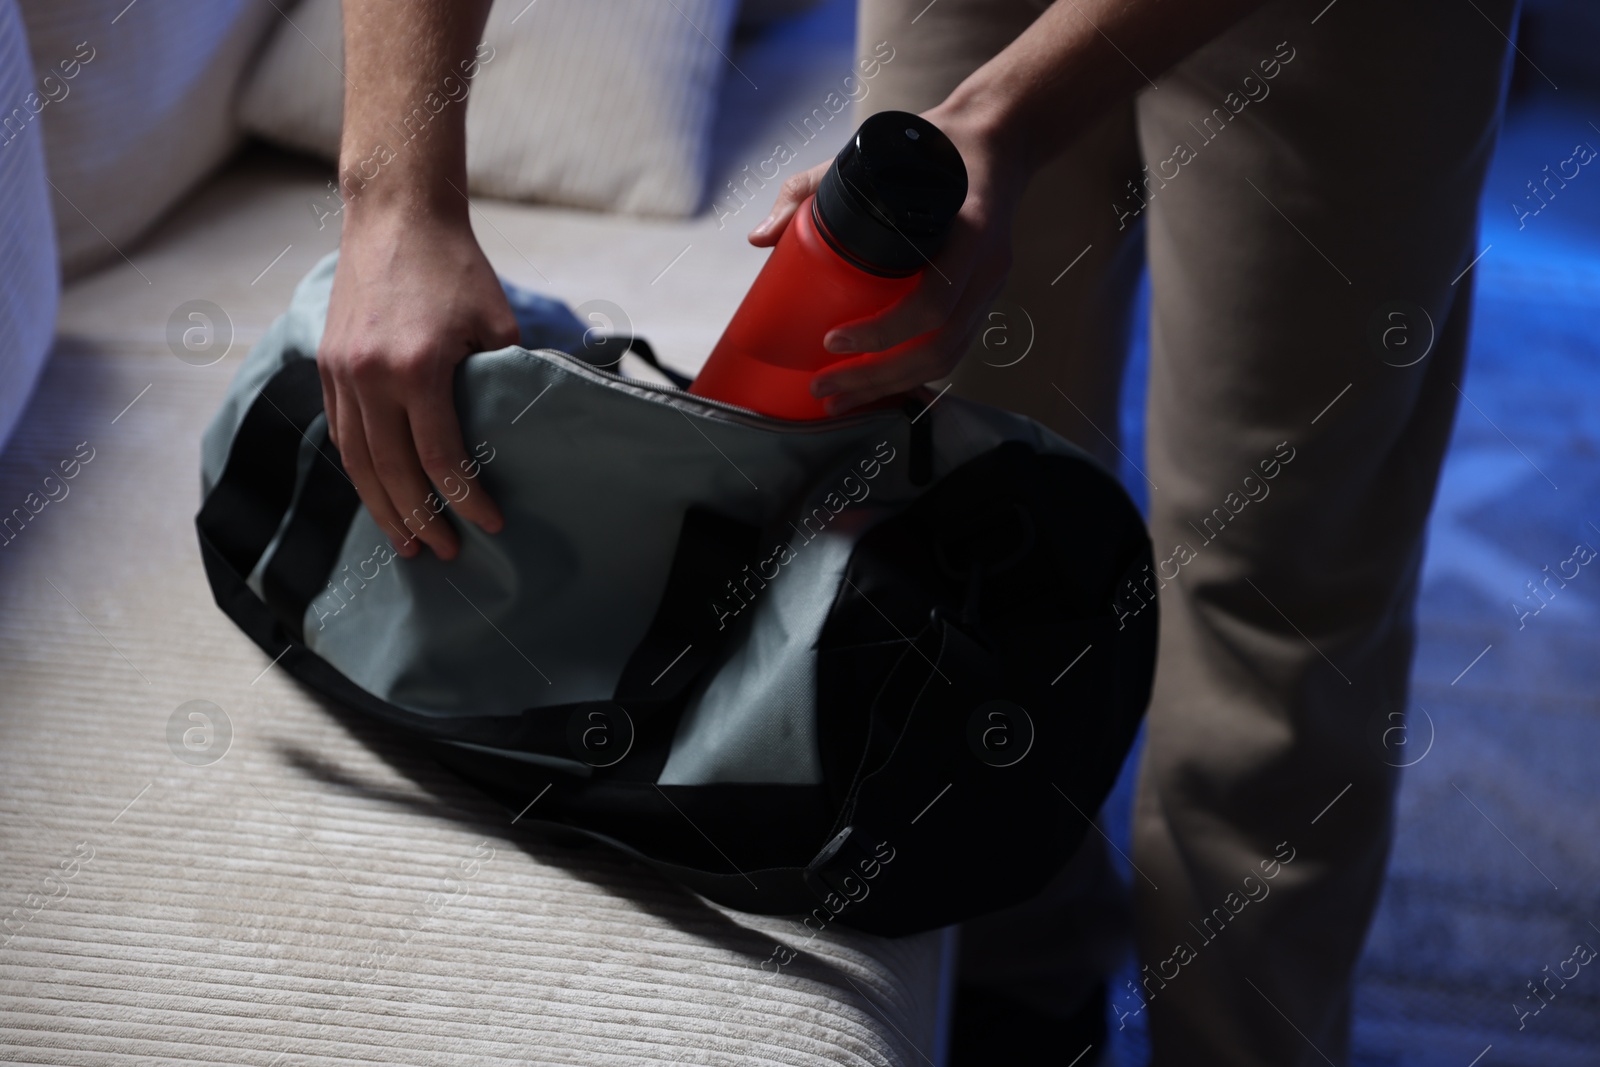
(889, 198)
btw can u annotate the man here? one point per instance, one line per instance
(1304, 175)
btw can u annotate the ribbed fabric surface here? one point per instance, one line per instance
(27, 240)
(318, 895)
(148, 112)
(602, 104)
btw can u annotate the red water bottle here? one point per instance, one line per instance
(854, 248)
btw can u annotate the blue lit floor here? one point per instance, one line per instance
(1479, 902)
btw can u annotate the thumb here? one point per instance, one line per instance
(500, 328)
(790, 196)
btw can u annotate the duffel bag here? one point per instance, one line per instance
(879, 670)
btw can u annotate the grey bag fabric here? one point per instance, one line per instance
(756, 654)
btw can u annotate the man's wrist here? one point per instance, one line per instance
(986, 116)
(381, 174)
(416, 195)
(998, 169)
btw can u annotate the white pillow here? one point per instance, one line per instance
(147, 113)
(602, 104)
(27, 242)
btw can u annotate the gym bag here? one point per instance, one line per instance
(880, 669)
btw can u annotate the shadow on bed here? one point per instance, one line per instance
(442, 794)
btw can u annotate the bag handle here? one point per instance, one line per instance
(241, 514)
(244, 510)
(318, 525)
(605, 351)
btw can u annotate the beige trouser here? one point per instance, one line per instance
(1306, 237)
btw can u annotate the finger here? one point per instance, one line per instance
(942, 366)
(500, 328)
(436, 433)
(790, 196)
(390, 442)
(358, 465)
(853, 382)
(928, 355)
(946, 282)
(926, 309)
(874, 376)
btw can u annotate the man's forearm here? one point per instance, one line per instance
(1078, 59)
(408, 67)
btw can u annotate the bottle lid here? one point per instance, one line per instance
(889, 198)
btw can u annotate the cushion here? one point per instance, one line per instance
(604, 104)
(145, 114)
(27, 241)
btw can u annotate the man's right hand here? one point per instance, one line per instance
(412, 297)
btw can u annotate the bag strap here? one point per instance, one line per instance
(244, 510)
(606, 351)
(687, 633)
(303, 561)
(685, 637)
(920, 461)
(241, 514)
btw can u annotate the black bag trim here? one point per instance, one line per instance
(686, 634)
(921, 442)
(241, 514)
(303, 561)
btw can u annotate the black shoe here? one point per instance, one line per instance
(988, 1029)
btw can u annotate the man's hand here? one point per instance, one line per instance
(413, 295)
(1007, 118)
(411, 299)
(957, 285)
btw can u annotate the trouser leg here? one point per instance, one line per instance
(1294, 460)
